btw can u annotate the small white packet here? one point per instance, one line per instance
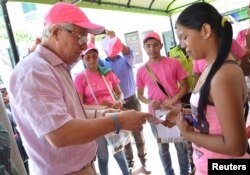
(159, 117)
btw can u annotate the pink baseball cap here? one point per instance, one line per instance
(90, 47)
(151, 35)
(70, 13)
(112, 46)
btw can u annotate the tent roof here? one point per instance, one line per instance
(159, 7)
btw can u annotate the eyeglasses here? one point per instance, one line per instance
(81, 39)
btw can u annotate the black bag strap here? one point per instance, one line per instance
(153, 77)
(245, 116)
(246, 111)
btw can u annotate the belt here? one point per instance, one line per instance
(86, 170)
(130, 98)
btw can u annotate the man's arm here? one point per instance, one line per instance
(183, 89)
(153, 103)
(125, 49)
(78, 131)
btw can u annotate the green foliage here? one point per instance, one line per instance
(20, 36)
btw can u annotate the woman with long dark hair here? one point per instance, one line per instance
(220, 95)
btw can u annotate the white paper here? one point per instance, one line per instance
(167, 135)
(165, 132)
(159, 117)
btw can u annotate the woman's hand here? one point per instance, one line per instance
(170, 101)
(155, 104)
(170, 119)
(183, 124)
(106, 103)
(118, 104)
(173, 115)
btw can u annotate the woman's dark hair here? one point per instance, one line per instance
(193, 17)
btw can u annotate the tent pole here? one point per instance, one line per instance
(172, 28)
(14, 57)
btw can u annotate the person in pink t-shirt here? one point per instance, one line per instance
(218, 102)
(243, 39)
(241, 36)
(236, 50)
(99, 86)
(172, 76)
(198, 67)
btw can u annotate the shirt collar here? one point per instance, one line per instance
(51, 57)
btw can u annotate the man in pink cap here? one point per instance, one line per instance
(172, 77)
(58, 133)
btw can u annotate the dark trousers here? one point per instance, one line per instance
(133, 103)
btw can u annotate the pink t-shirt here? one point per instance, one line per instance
(200, 154)
(98, 85)
(241, 38)
(199, 65)
(236, 50)
(168, 72)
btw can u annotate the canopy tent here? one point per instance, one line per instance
(157, 7)
(160, 7)
(154, 7)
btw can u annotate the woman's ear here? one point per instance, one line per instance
(206, 31)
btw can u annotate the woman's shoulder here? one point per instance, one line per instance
(230, 71)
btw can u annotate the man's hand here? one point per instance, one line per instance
(6, 99)
(110, 33)
(132, 120)
(37, 41)
(117, 105)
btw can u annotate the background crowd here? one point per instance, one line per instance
(62, 125)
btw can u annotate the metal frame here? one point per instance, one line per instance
(90, 4)
(14, 58)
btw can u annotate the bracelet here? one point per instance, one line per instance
(117, 125)
(95, 113)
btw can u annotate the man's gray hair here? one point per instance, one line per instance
(47, 29)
